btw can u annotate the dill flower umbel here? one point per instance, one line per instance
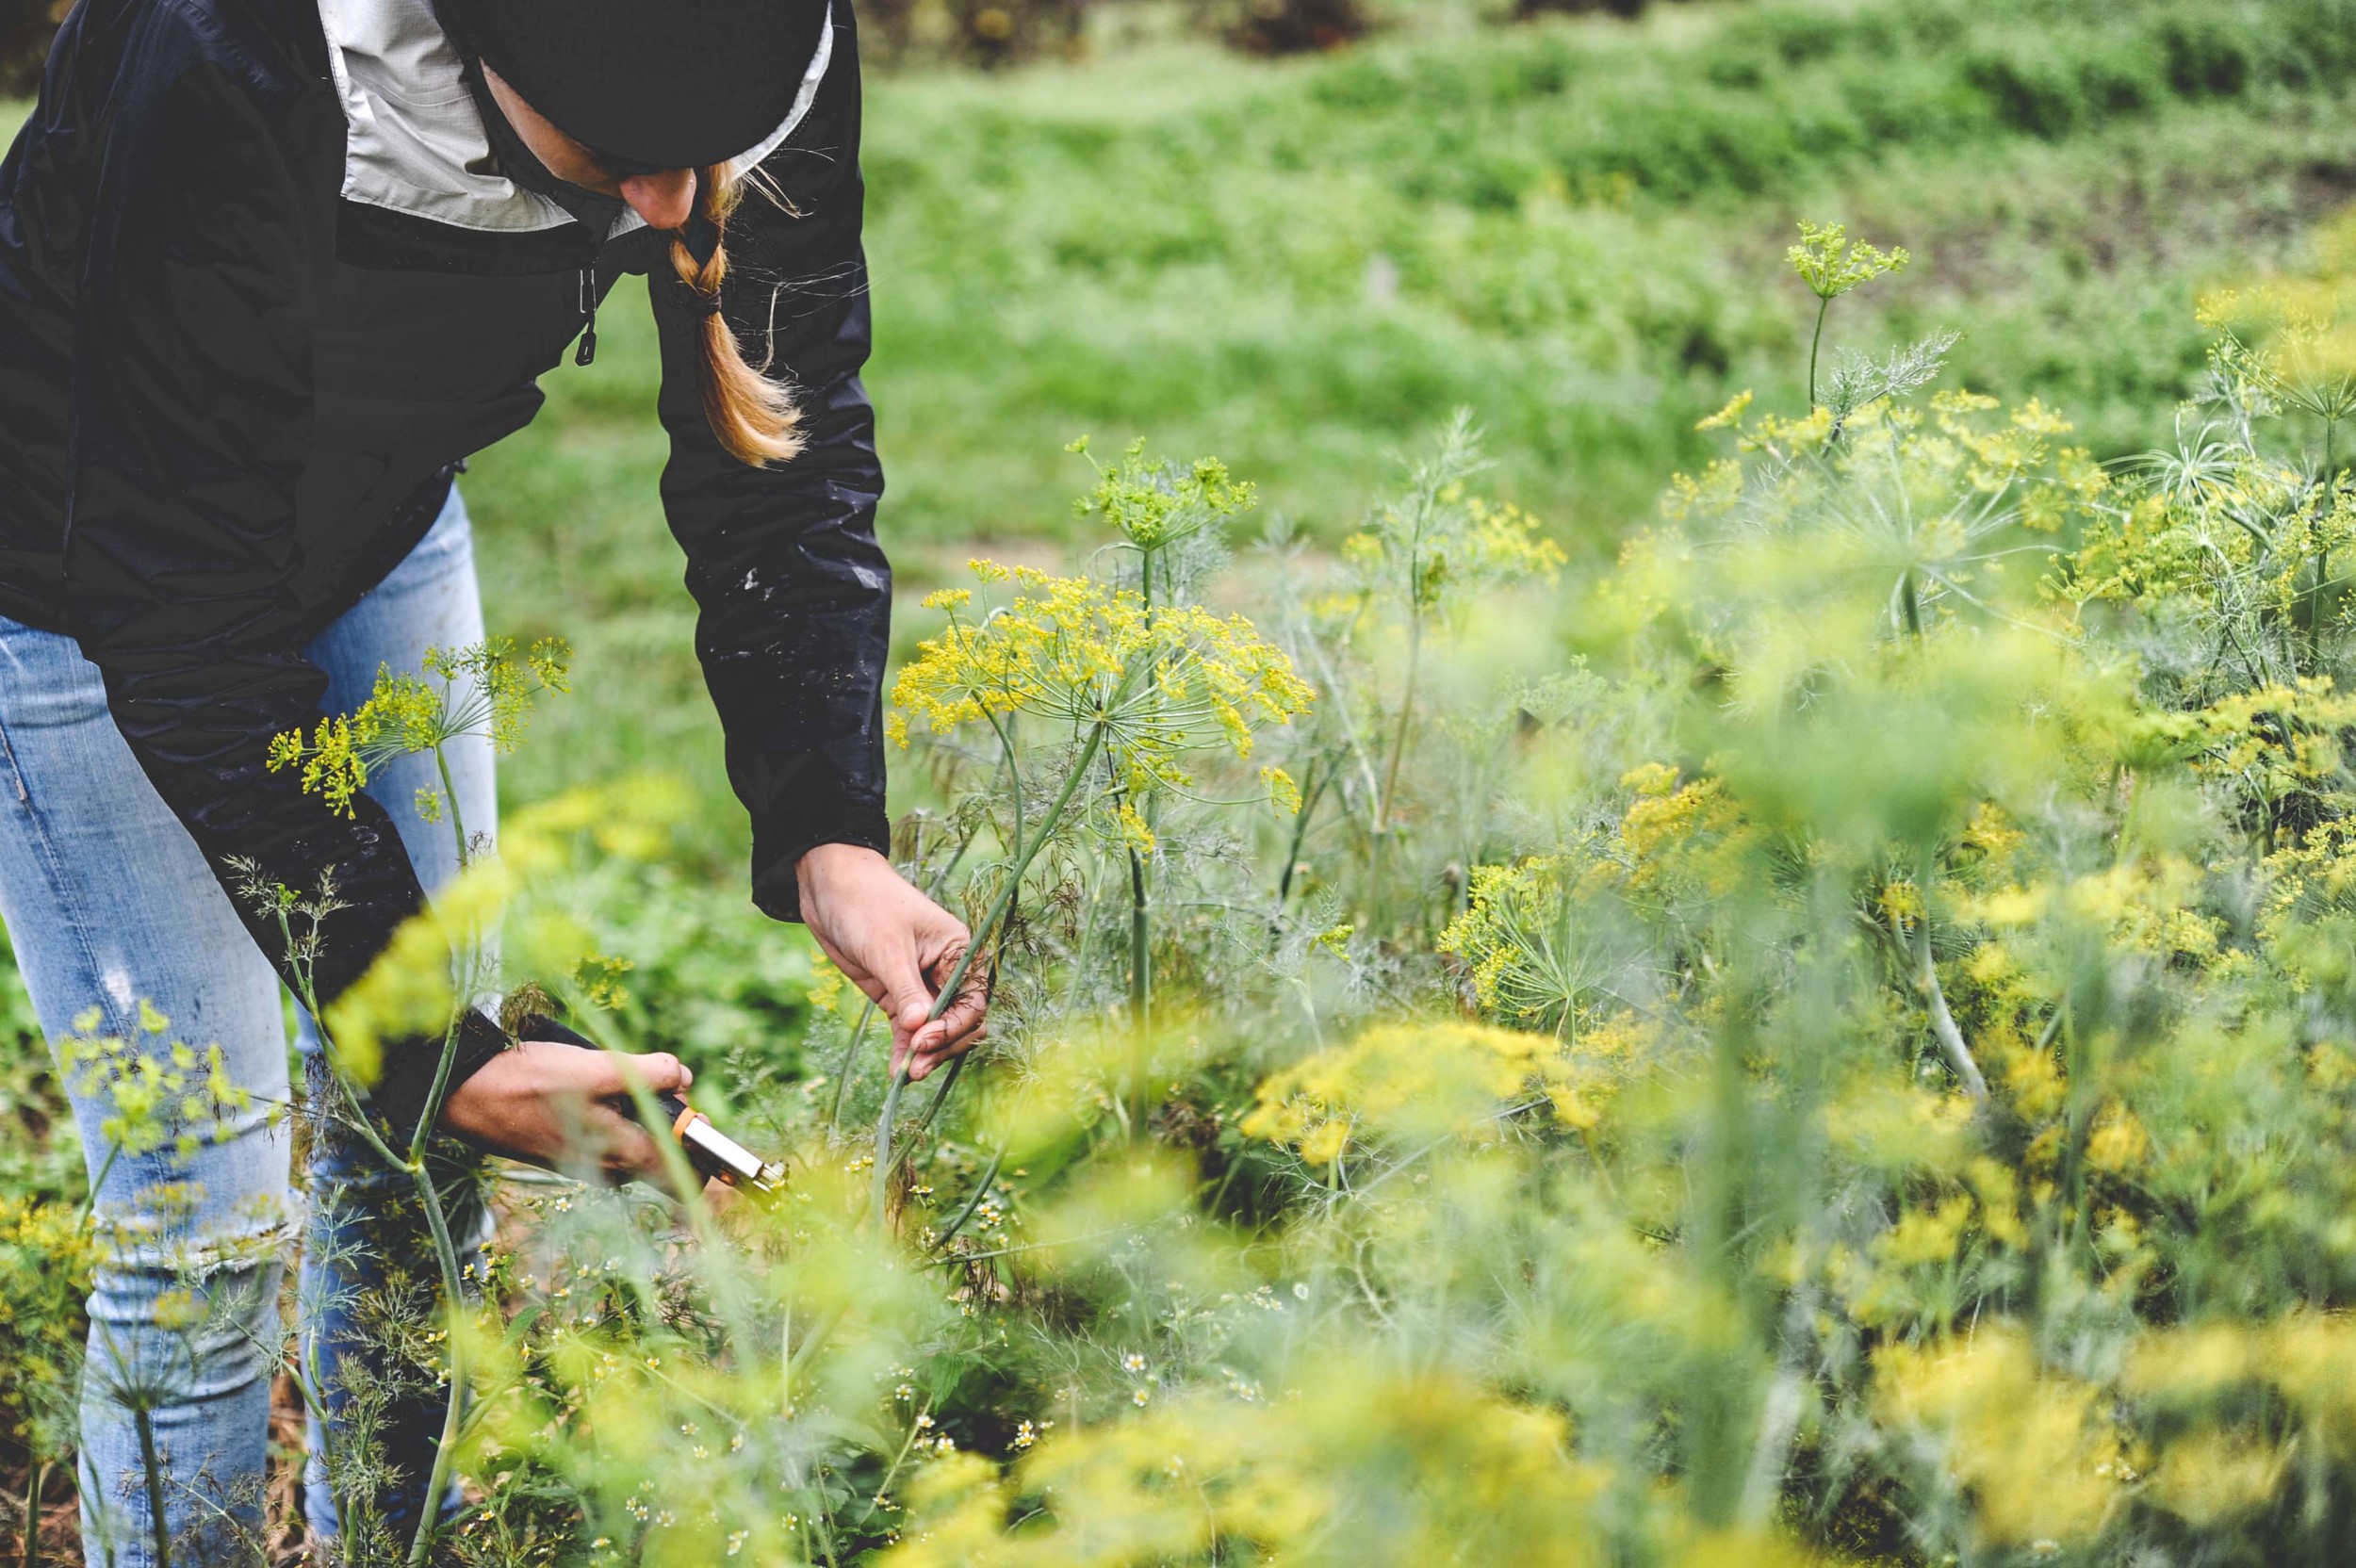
(485, 689)
(1418, 1078)
(1157, 682)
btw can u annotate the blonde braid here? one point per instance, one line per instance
(753, 416)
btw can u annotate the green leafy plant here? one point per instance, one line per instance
(1831, 265)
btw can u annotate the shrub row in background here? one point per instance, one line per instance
(977, 32)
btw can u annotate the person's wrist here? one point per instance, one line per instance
(821, 864)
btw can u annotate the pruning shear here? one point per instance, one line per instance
(713, 1152)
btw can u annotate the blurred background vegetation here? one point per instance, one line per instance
(1298, 232)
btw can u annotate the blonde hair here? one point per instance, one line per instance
(754, 416)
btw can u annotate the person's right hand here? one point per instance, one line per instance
(563, 1109)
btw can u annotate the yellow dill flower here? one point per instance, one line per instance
(2042, 1454)
(600, 980)
(1519, 937)
(483, 689)
(1436, 544)
(1154, 503)
(1418, 1079)
(2118, 1143)
(1076, 653)
(1718, 488)
(1831, 265)
(2213, 1475)
(1730, 416)
(154, 1091)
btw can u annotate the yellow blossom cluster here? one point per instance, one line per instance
(2038, 1448)
(1469, 1477)
(48, 1253)
(1831, 264)
(1158, 681)
(1426, 1079)
(485, 689)
(157, 1090)
(1461, 541)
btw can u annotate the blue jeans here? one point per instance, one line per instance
(109, 904)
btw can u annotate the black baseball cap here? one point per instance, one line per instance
(647, 84)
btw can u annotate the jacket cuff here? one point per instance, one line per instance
(776, 861)
(400, 1096)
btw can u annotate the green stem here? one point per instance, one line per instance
(1406, 716)
(449, 793)
(2315, 609)
(89, 1199)
(31, 1555)
(981, 1190)
(850, 1055)
(1140, 973)
(309, 1386)
(881, 1182)
(982, 939)
(143, 1420)
(1312, 787)
(433, 1112)
(1140, 994)
(892, 1471)
(932, 1106)
(429, 1507)
(1950, 1042)
(1824, 304)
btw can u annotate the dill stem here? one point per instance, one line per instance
(1312, 787)
(1406, 717)
(981, 1190)
(36, 1484)
(1140, 994)
(1951, 1038)
(429, 1197)
(430, 1506)
(457, 815)
(1025, 853)
(850, 1058)
(1824, 304)
(144, 1421)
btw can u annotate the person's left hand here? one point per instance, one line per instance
(897, 946)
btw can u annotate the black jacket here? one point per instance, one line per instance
(246, 332)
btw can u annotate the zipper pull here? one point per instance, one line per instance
(589, 313)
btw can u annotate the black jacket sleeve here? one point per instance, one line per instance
(190, 425)
(794, 593)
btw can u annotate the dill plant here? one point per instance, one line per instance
(158, 1095)
(1125, 689)
(1831, 265)
(1883, 1091)
(1907, 1117)
(439, 962)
